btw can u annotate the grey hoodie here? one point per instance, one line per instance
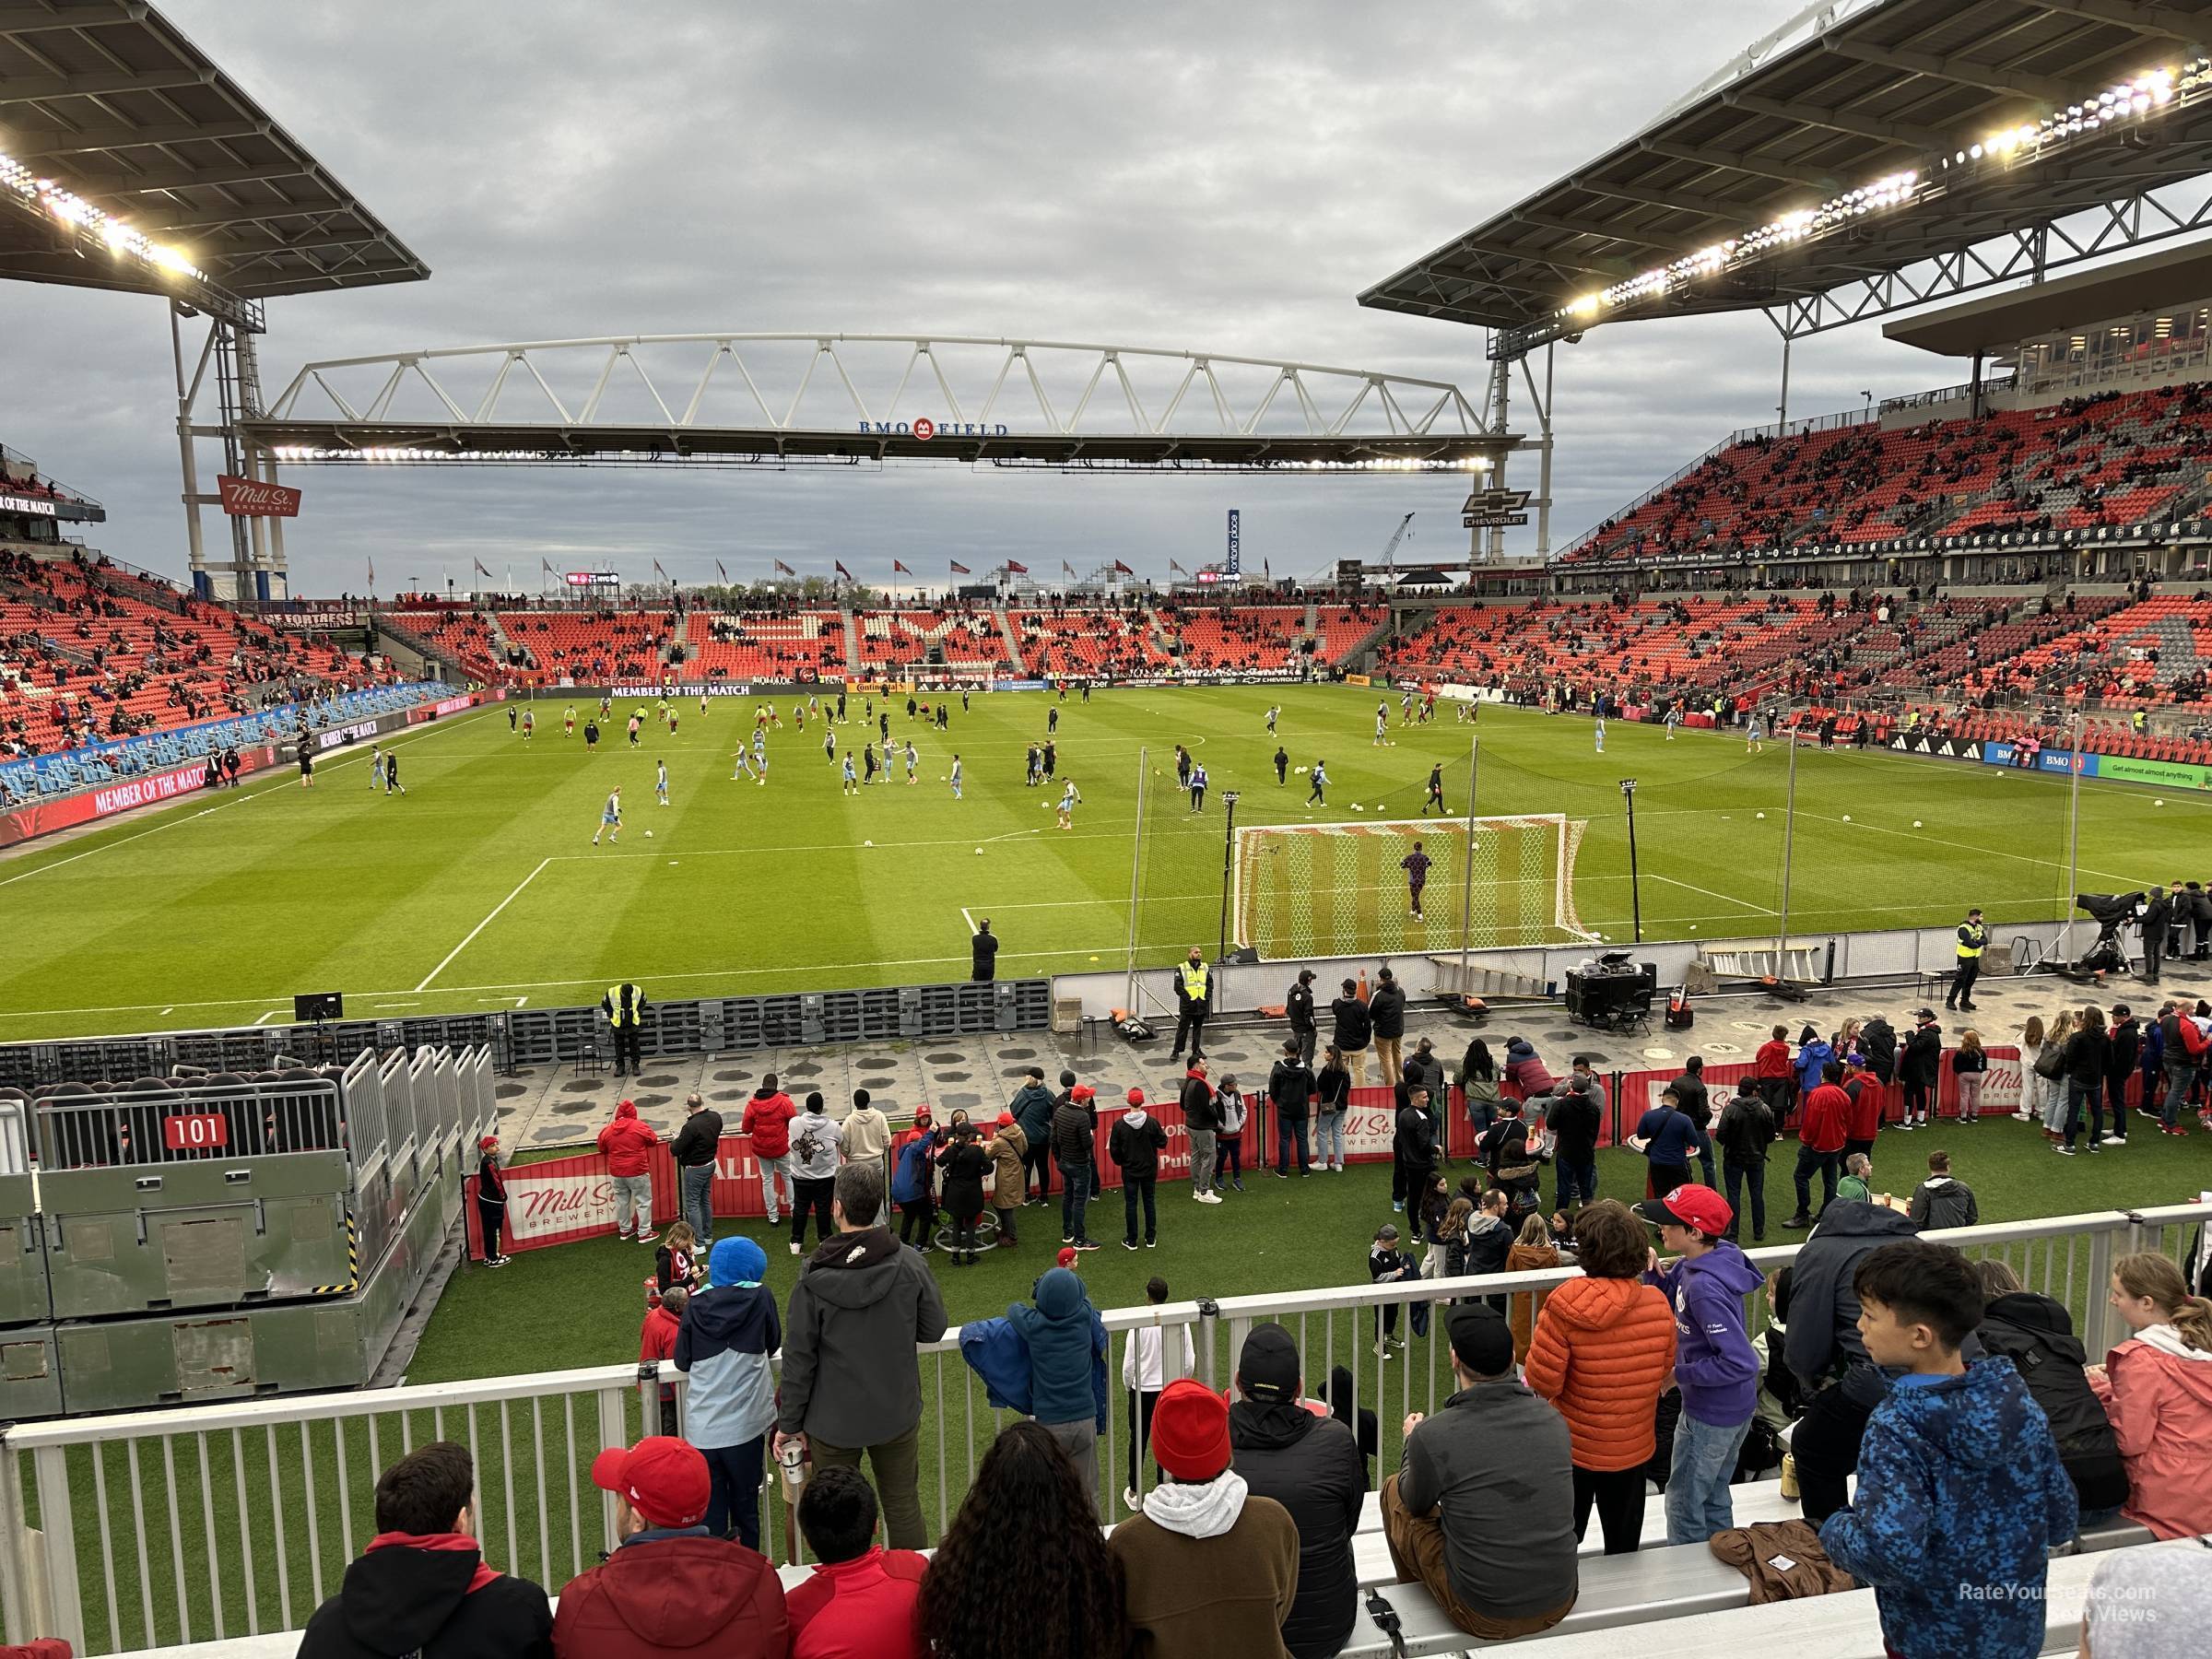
(813, 1147)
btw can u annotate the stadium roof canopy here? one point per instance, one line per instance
(2172, 276)
(1856, 142)
(109, 103)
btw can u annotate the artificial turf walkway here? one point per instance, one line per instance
(480, 887)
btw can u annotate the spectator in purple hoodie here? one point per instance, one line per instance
(1714, 1362)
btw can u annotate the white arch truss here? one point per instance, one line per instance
(974, 397)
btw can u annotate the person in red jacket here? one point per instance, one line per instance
(1773, 1069)
(1820, 1137)
(768, 1122)
(627, 1143)
(656, 1340)
(859, 1602)
(669, 1587)
(1863, 1122)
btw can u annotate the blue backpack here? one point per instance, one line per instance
(909, 1176)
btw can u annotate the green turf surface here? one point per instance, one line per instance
(481, 887)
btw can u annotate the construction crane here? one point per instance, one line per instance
(1390, 547)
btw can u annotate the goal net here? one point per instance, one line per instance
(1344, 890)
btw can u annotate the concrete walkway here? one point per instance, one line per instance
(543, 1108)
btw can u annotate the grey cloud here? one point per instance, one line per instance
(1225, 177)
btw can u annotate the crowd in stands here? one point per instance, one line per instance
(1944, 1426)
(90, 654)
(2111, 458)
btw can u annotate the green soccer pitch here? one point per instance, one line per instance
(480, 887)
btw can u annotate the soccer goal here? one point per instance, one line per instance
(1343, 889)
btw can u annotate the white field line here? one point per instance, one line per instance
(480, 927)
(237, 798)
(1724, 898)
(969, 919)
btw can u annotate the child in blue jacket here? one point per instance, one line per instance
(1962, 1493)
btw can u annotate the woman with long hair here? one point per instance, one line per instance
(2157, 1388)
(1969, 1066)
(2032, 1050)
(2085, 1050)
(1532, 1251)
(1024, 1571)
(2051, 1102)
(1479, 1081)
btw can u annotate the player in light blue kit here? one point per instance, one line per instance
(1600, 727)
(759, 756)
(956, 777)
(852, 779)
(660, 784)
(610, 819)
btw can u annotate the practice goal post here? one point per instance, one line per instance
(1343, 889)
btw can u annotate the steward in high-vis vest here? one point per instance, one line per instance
(1972, 939)
(1194, 1001)
(624, 1005)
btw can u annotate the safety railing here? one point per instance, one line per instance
(214, 1521)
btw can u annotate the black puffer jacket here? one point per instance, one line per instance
(2036, 1335)
(1877, 1039)
(1311, 1466)
(1074, 1128)
(1386, 1008)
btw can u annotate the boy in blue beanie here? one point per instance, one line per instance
(729, 1330)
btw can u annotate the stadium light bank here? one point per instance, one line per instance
(2146, 95)
(72, 210)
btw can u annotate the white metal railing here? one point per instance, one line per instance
(213, 1521)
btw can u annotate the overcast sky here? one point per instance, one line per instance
(1225, 177)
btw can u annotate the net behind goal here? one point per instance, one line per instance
(1343, 889)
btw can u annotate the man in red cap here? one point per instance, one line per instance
(1207, 1568)
(492, 1200)
(1714, 1360)
(669, 1587)
(1134, 1145)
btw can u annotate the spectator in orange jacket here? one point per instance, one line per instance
(656, 1340)
(2157, 1388)
(627, 1144)
(1602, 1351)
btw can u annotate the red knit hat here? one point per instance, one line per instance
(1190, 1431)
(1068, 1256)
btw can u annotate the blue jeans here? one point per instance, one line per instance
(698, 1206)
(1287, 1132)
(736, 1474)
(1074, 1196)
(1330, 1137)
(1697, 1483)
(1577, 1182)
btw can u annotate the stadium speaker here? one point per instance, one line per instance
(318, 1006)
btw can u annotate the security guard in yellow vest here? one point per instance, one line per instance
(1973, 937)
(624, 1005)
(1194, 1000)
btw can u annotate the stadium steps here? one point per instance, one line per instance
(1013, 645)
(498, 635)
(1372, 640)
(844, 616)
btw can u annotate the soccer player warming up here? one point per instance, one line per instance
(1416, 866)
(1070, 798)
(1436, 792)
(660, 783)
(610, 819)
(1321, 783)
